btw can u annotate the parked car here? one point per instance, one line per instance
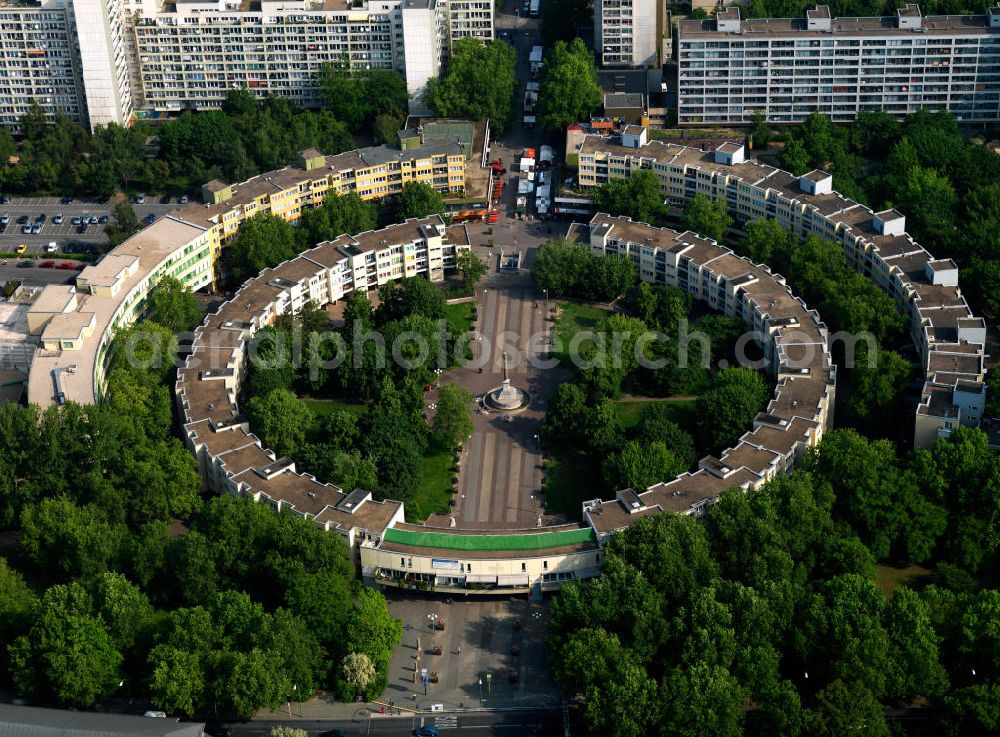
(102, 219)
(52, 247)
(150, 218)
(36, 228)
(65, 265)
(69, 248)
(21, 249)
(82, 228)
(5, 218)
(183, 200)
(40, 218)
(66, 200)
(76, 220)
(140, 199)
(93, 220)
(25, 264)
(26, 229)
(103, 200)
(58, 218)
(46, 264)
(428, 731)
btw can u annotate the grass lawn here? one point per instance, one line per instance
(569, 481)
(575, 318)
(434, 494)
(682, 411)
(459, 317)
(889, 578)
(324, 407)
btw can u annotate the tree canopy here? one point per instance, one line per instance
(479, 82)
(568, 89)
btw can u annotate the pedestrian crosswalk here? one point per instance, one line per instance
(448, 721)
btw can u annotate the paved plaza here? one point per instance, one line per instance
(486, 639)
(501, 467)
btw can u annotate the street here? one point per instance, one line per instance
(512, 723)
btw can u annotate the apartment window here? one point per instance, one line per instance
(545, 565)
(523, 567)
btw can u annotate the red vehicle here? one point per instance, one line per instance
(65, 265)
(493, 217)
(498, 168)
(46, 264)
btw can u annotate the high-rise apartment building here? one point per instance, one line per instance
(103, 63)
(729, 69)
(100, 60)
(628, 33)
(67, 56)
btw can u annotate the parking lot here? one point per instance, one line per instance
(29, 208)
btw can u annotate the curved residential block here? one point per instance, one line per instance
(949, 338)
(232, 460)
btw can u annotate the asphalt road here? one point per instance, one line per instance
(35, 275)
(11, 236)
(509, 724)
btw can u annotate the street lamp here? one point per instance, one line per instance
(480, 691)
(438, 372)
(539, 442)
(546, 301)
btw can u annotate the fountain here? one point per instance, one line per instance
(507, 398)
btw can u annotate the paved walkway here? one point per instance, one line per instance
(501, 467)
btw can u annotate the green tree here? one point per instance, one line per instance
(452, 424)
(177, 681)
(974, 710)
(567, 416)
(561, 267)
(727, 409)
(760, 132)
(639, 197)
(637, 466)
(764, 239)
(372, 632)
(656, 424)
(339, 214)
(846, 708)
(706, 217)
(358, 96)
(479, 82)
(386, 127)
(795, 158)
(262, 241)
(471, 266)
(408, 297)
(878, 386)
(173, 305)
(928, 198)
(126, 223)
(68, 654)
(568, 90)
(914, 667)
(418, 200)
(18, 603)
(57, 535)
(281, 421)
